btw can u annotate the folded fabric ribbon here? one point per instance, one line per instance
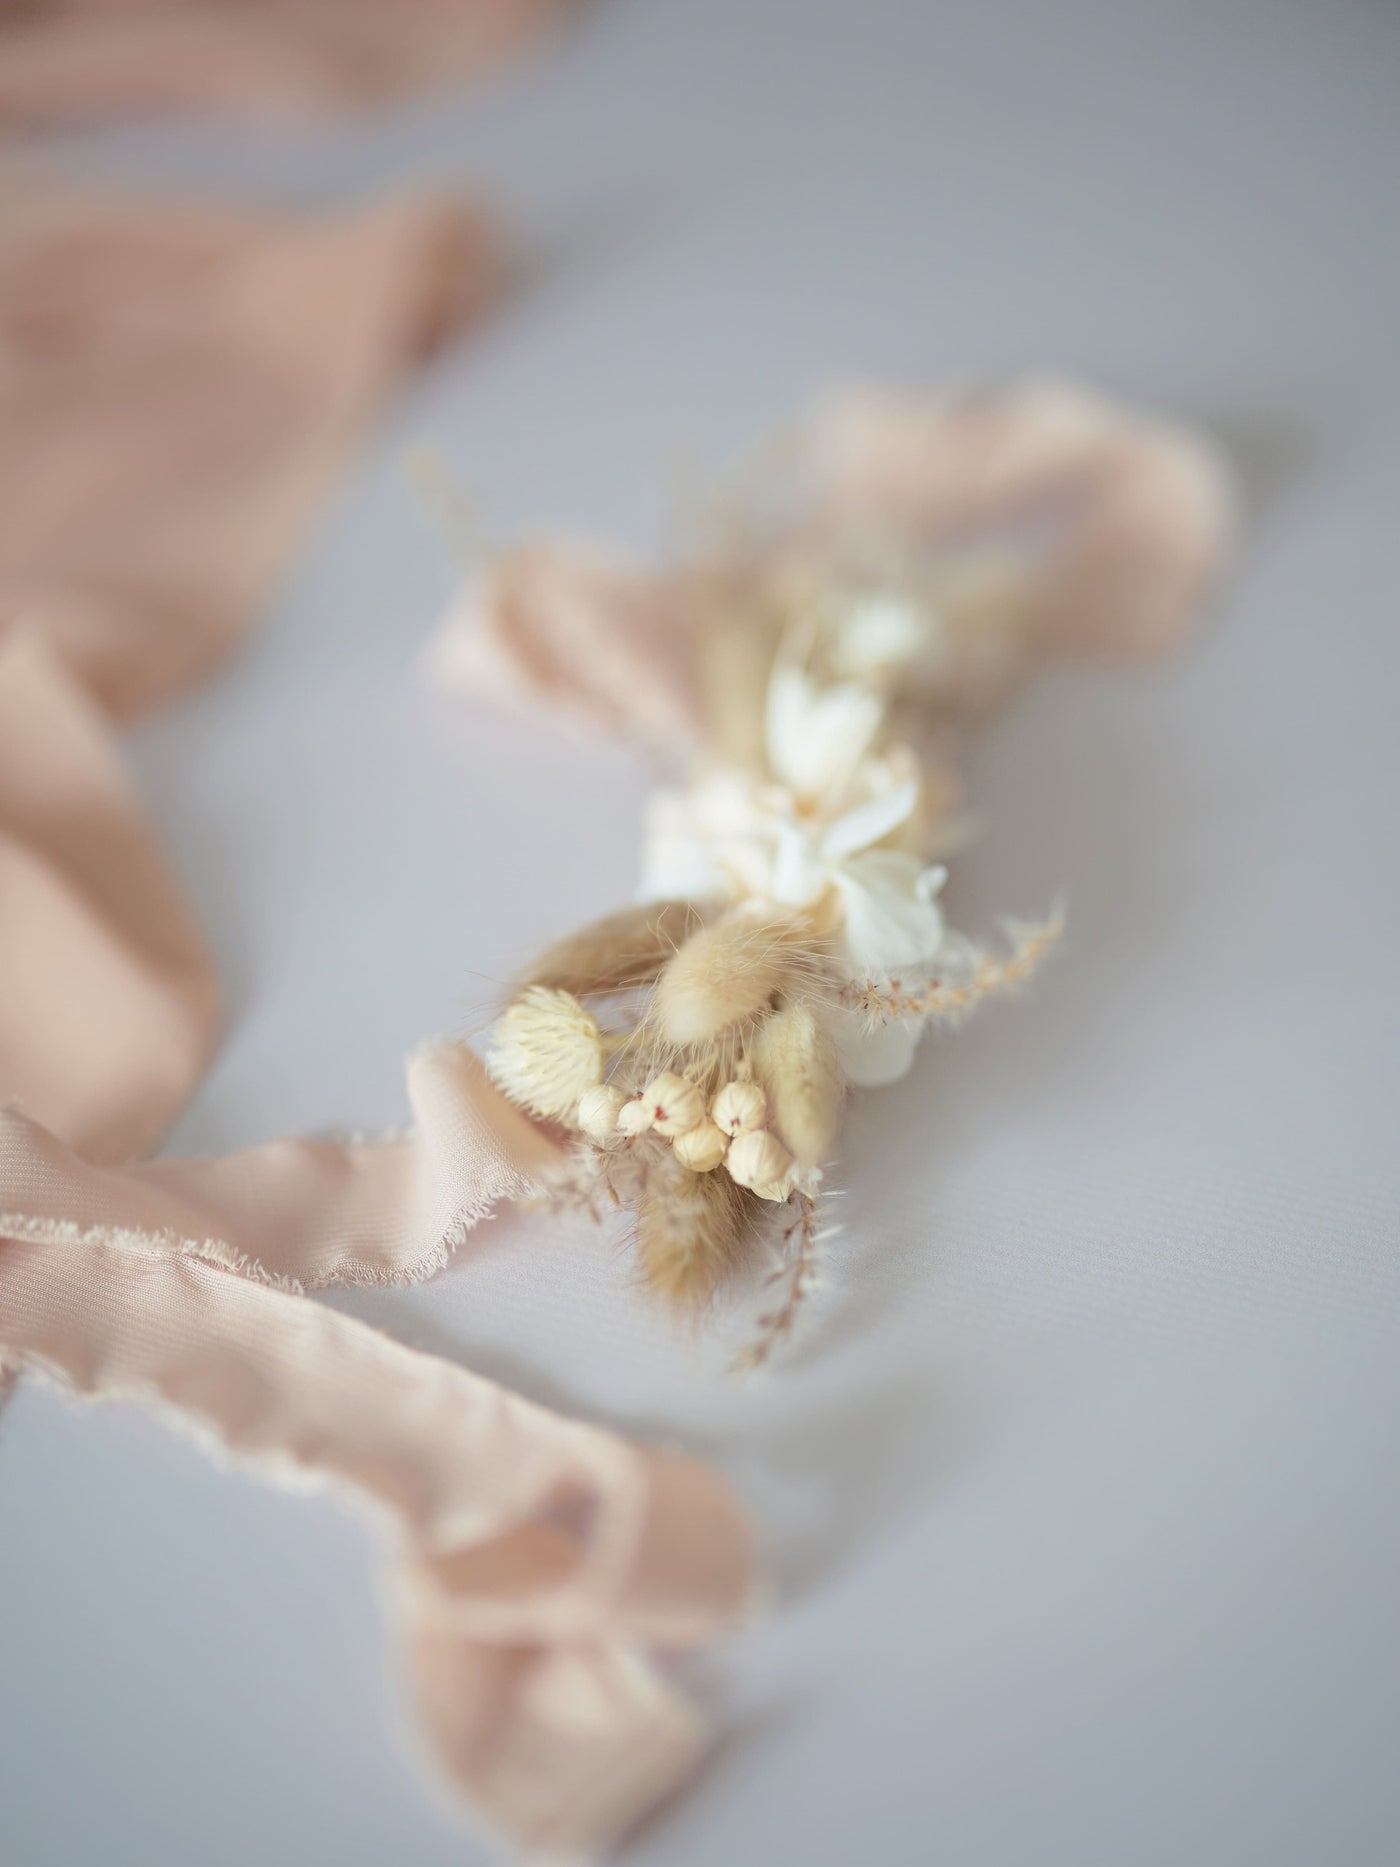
(80, 59)
(173, 393)
(1134, 518)
(538, 1560)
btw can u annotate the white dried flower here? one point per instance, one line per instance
(634, 1117)
(758, 1160)
(547, 1052)
(701, 1148)
(814, 835)
(881, 631)
(598, 1111)
(739, 1108)
(676, 1105)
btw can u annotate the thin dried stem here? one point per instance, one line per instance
(953, 999)
(446, 506)
(791, 1281)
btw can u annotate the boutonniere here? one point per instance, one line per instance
(904, 561)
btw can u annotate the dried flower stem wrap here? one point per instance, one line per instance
(894, 564)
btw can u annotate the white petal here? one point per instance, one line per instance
(878, 632)
(798, 877)
(817, 736)
(871, 1057)
(889, 925)
(867, 823)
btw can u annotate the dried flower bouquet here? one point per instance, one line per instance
(902, 562)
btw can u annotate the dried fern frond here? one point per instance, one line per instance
(693, 1233)
(615, 954)
(798, 1065)
(791, 1282)
(953, 999)
(730, 972)
(581, 1184)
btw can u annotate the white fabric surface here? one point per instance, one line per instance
(1081, 1487)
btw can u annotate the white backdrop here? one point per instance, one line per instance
(1080, 1493)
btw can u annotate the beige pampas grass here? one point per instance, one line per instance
(616, 954)
(692, 1231)
(546, 1053)
(798, 1065)
(728, 973)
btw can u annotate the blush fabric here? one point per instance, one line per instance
(1134, 520)
(179, 382)
(76, 60)
(175, 390)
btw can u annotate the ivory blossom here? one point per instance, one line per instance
(816, 835)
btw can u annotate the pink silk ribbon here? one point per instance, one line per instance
(1137, 515)
(539, 1563)
(66, 60)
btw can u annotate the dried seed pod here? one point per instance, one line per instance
(546, 1052)
(617, 953)
(758, 1158)
(776, 1190)
(740, 1107)
(598, 1111)
(701, 1148)
(798, 1063)
(728, 972)
(692, 1233)
(676, 1105)
(634, 1117)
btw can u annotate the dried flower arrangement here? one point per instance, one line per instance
(904, 562)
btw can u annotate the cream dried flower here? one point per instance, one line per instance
(759, 1161)
(776, 1190)
(676, 1105)
(739, 1108)
(634, 1117)
(598, 1111)
(701, 1148)
(547, 1052)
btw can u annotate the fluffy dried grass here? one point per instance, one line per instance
(619, 953)
(797, 1063)
(730, 972)
(693, 1233)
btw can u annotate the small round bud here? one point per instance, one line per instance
(776, 1190)
(598, 1111)
(701, 1148)
(740, 1108)
(758, 1159)
(676, 1106)
(634, 1117)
